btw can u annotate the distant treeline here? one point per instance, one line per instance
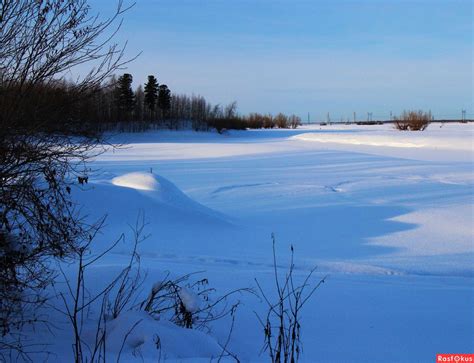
(382, 122)
(116, 106)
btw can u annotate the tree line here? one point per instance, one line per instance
(115, 105)
(154, 105)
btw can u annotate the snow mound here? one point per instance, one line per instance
(164, 192)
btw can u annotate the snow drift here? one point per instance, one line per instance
(163, 191)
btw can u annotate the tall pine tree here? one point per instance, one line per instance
(125, 97)
(151, 95)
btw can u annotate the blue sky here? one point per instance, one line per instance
(307, 56)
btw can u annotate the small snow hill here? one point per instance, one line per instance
(173, 219)
(164, 192)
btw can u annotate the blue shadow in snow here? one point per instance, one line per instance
(336, 232)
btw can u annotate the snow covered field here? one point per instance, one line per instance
(387, 214)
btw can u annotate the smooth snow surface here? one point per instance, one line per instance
(387, 214)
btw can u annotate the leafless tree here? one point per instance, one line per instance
(40, 160)
(42, 40)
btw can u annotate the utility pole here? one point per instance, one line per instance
(328, 119)
(308, 118)
(354, 117)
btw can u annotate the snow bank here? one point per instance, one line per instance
(394, 139)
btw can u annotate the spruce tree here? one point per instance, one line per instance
(151, 94)
(125, 97)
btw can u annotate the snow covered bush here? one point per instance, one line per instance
(111, 322)
(413, 120)
(192, 305)
(112, 299)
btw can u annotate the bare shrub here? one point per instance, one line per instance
(115, 297)
(294, 121)
(281, 121)
(268, 122)
(413, 120)
(282, 322)
(188, 304)
(255, 121)
(228, 119)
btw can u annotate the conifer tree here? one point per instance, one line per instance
(151, 95)
(125, 97)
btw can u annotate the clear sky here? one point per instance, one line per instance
(297, 56)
